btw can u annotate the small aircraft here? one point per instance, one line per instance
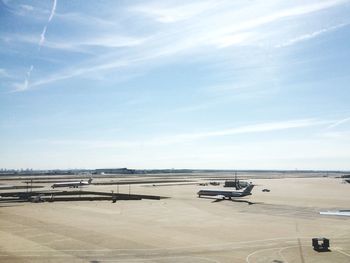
(227, 193)
(72, 184)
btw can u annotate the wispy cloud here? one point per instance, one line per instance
(85, 45)
(170, 12)
(339, 122)
(4, 73)
(192, 137)
(24, 86)
(27, 7)
(311, 35)
(168, 30)
(16, 7)
(42, 37)
(205, 67)
(84, 19)
(275, 16)
(82, 45)
(256, 128)
(336, 135)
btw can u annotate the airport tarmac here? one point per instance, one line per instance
(274, 226)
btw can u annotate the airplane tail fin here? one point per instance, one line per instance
(90, 180)
(248, 189)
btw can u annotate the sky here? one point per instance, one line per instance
(175, 84)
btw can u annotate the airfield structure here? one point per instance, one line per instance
(320, 244)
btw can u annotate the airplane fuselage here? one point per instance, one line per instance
(71, 184)
(226, 193)
(221, 193)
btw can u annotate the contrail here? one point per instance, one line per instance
(25, 85)
(53, 10)
(26, 81)
(30, 71)
(42, 36)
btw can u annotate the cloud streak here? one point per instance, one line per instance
(337, 123)
(174, 13)
(309, 36)
(42, 37)
(192, 137)
(256, 128)
(43, 33)
(167, 31)
(25, 85)
(4, 74)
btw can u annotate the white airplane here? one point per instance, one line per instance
(72, 184)
(336, 213)
(226, 193)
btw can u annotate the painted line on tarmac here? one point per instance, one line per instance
(58, 240)
(254, 246)
(36, 256)
(342, 252)
(258, 251)
(121, 260)
(38, 235)
(159, 258)
(266, 249)
(281, 255)
(287, 240)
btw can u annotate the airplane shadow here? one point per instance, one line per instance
(9, 204)
(237, 201)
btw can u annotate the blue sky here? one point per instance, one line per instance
(175, 84)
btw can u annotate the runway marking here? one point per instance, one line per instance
(257, 251)
(38, 235)
(159, 258)
(286, 239)
(301, 251)
(251, 246)
(36, 256)
(9, 226)
(239, 245)
(342, 252)
(174, 248)
(58, 240)
(280, 254)
(266, 249)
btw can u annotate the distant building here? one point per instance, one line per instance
(236, 184)
(115, 171)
